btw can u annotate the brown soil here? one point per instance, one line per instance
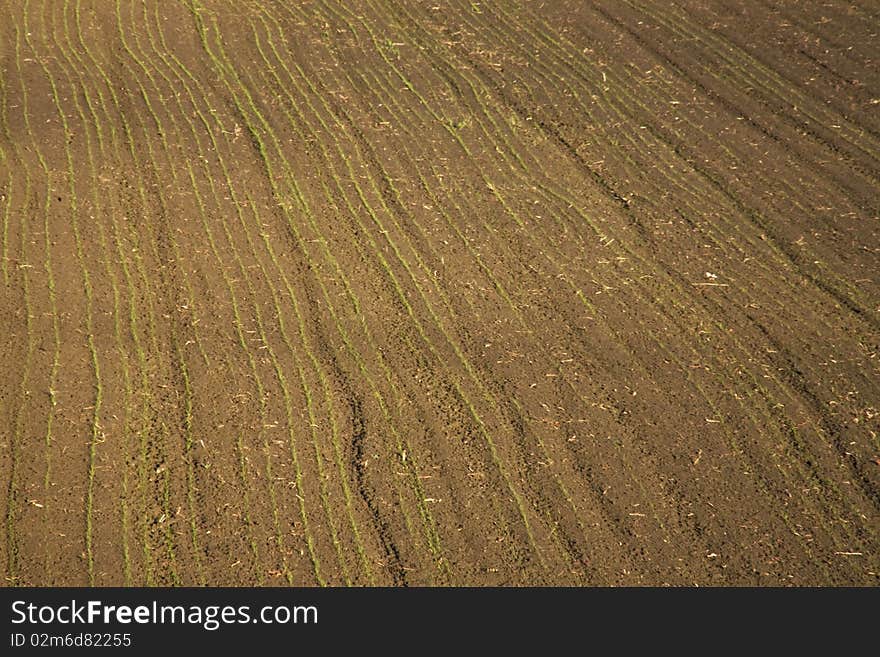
(408, 293)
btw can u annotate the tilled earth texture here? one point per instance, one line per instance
(440, 293)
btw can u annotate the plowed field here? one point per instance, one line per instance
(440, 293)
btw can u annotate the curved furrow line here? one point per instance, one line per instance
(48, 269)
(203, 211)
(755, 458)
(12, 489)
(525, 327)
(310, 407)
(401, 444)
(842, 78)
(553, 311)
(261, 436)
(146, 353)
(6, 196)
(97, 435)
(819, 432)
(187, 420)
(150, 421)
(300, 370)
(189, 444)
(261, 149)
(154, 116)
(433, 541)
(95, 427)
(132, 312)
(122, 242)
(353, 178)
(402, 449)
(6, 199)
(176, 283)
(13, 494)
(113, 211)
(225, 69)
(745, 351)
(402, 296)
(282, 381)
(300, 200)
(460, 354)
(166, 54)
(277, 366)
(165, 494)
(438, 119)
(77, 80)
(279, 315)
(53, 309)
(122, 352)
(497, 285)
(292, 296)
(604, 399)
(793, 384)
(410, 218)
